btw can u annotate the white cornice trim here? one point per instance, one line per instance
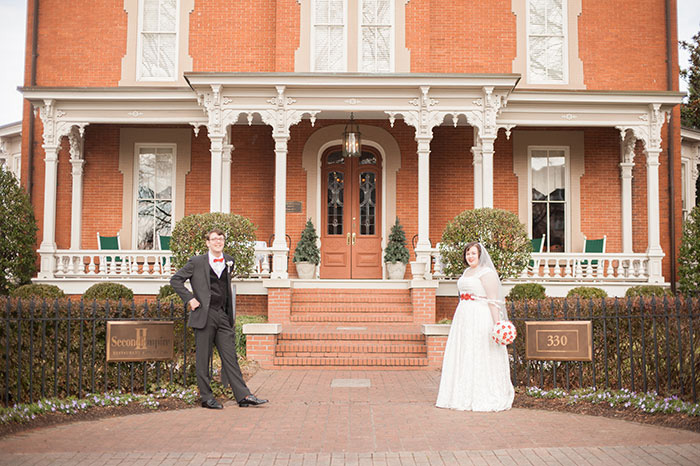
(690, 134)
(11, 129)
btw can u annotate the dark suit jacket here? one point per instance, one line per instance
(197, 272)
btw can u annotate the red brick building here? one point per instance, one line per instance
(563, 112)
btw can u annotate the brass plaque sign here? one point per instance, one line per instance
(558, 341)
(139, 341)
(293, 207)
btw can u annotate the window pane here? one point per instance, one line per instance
(321, 56)
(554, 17)
(369, 63)
(150, 15)
(369, 12)
(384, 50)
(336, 14)
(337, 46)
(168, 45)
(163, 217)
(145, 225)
(149, 57)
(537, 17)
(164, 176)
(557, 182)
(322, 9)
(540, 184)
(383, 12)
(335, 157)
(539, 219)
(555, 58)
(335, 202)
(557, 222)
(368, 158)
(147, 175)
(538, 58)
(368, 200)
(168, 10)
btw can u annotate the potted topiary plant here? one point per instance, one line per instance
(306, 254)
(396, 253)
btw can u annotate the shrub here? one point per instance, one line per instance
(18, 238)
(527, 291)
(112, 291)
(240, 336)
(499, 231)
(689, 256)
(173, 298)
(188, 239)
(164, 291)
(38, 290)
(586, 292)
(307, 249)
(648, 290)
(396, 250)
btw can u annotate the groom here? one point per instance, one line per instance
(213, 311)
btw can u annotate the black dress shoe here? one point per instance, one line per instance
(251, 400)
(212, 404)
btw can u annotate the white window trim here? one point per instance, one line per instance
(392, 43)
(689, 192)
(135, 197)
(345, 38)
(567, 188)
(139, 47)
(565, 46)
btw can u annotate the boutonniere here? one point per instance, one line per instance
(229, 264)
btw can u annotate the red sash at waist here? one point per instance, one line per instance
(470, 297)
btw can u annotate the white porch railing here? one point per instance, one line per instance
(88, 263)
(583, 267)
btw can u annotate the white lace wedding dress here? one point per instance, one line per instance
(475, 369)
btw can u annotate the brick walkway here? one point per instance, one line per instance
(391, 422)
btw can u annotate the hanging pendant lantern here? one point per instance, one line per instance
(352, 145)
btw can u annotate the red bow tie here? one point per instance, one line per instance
(220, 259)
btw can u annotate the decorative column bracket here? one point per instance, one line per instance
(649, 131)
(56, 126)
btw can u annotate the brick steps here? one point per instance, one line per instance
(350, 317)
(351, 328)
(351, 361)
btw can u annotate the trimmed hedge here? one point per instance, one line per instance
(188, 239)
(648, 290)
(112, 291)
(165, 290)
(587, 292)
(38, 290)
(526, 291)
(689, 255)
(498, 230)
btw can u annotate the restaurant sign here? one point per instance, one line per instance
(139, 341)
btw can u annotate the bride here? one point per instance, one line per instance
(475, 369)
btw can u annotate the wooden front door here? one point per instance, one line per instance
(351, 243)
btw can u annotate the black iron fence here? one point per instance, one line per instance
(639, 344)
(58, 349)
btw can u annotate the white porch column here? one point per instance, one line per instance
(654, 250)
(487, 172)
(76, 160)
(226, 174)
(478, 172)
(626, 166)
(217, 155)
(47, 249)
(423, 246)
(279, 246)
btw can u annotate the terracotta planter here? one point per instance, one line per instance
(395, 270)
(306, 270)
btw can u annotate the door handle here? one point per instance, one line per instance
(348, 240)
(353, 239)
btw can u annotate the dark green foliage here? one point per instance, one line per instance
(38, 290)
(171, 298)
(240, 336)
(586, 292)
(111, 291)
(188, 239)
(307, 249)
(689, 257)
(17, 234)
(648, 291)
(396, 250)
(527, 291)
(165, 290)
(498, 230)
(690, 111)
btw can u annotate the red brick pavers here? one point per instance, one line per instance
(393, 421)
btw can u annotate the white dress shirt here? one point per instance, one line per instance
(217, 267)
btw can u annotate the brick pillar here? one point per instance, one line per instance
(261, 340)
(423, 294)
(279, 301)
(435, 340)
(261, 348)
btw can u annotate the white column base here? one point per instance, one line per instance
(48, 261)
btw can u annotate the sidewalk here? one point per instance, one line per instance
(333, 417)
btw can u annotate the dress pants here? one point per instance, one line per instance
(218, 331)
